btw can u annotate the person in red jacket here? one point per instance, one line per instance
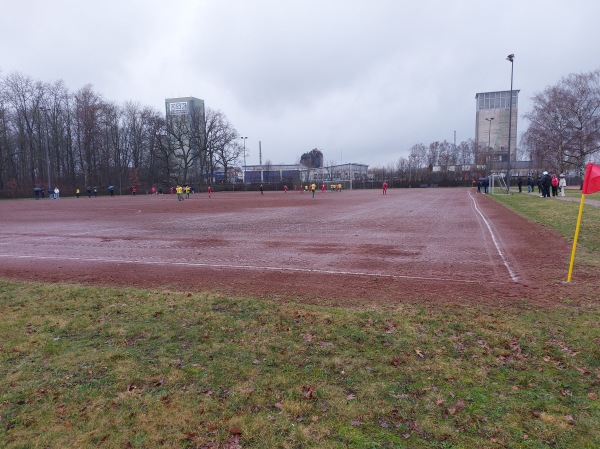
(554, 185)
(384, 188)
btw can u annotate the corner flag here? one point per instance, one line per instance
(591, 184)
(591, 179)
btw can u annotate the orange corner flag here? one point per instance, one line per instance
(591, 179)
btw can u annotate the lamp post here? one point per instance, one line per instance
(44, 109)
(487, 158)
(244, 172)
(510, 58)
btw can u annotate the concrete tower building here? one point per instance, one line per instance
(186, 123)
(185, 110)
(491, 128)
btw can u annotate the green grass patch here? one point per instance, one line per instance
(561, 216)
(94, 367)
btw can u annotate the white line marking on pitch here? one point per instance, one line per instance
(249, 267)
(513, 276)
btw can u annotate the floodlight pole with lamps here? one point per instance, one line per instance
(487, 159)
(244, 172)
(510, 58)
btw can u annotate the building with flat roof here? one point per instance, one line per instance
(184, 106)
(302, 173)
(492, 126)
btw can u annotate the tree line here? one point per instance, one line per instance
(52, 137)
(440, 162)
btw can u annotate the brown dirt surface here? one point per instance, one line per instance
(447, 246)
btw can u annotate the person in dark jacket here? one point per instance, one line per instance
(546, 183)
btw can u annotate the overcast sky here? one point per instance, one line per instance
(362, 81)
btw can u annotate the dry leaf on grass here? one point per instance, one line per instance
(457, 407)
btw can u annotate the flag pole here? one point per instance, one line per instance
(575, 238)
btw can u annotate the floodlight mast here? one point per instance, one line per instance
(510, 58)
(244, 172)
(487, 158)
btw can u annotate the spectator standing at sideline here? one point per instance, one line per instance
(546, 183)
(562, 183)
(520, 184)
(554, 183)
(56, 193)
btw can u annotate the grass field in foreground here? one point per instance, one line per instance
(112, 368)
(93, 367)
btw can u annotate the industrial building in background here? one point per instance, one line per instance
(492, 119)
(186, 119)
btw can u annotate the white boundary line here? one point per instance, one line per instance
(250, 267)
(513, 276)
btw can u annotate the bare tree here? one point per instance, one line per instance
(183, 132)
(88, 109)
(402, 168)
(59, 115)
(417, 159)
(565, 122)
(26, 98)
(5, 139)
(221, 147)
(466, 152)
